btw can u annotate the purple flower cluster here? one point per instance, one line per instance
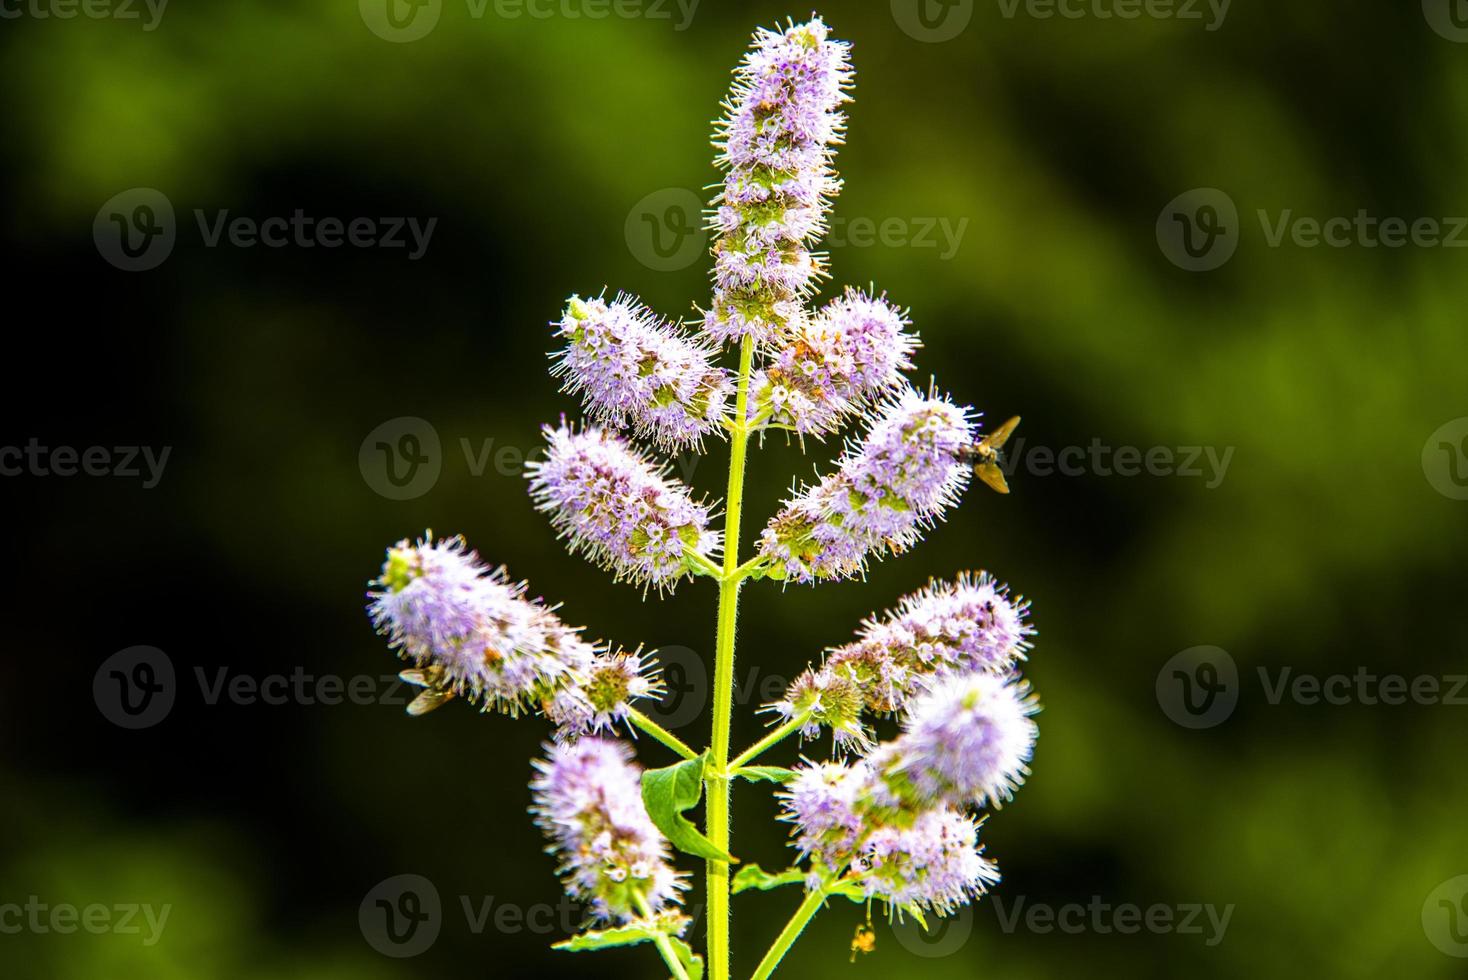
(776, 143)
(602, 698)
(614, 506)
(948, 628)
(935, 864)
(636, 370)
(588, 800)
(887, 489)
(836, 363)
(441, 608)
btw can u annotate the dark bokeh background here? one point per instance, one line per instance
(1326, 547)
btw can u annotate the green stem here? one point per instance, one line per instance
(701, 565)
(665, 946)
(808, 908)
(660, 733)
(717, 811)
(772, 739)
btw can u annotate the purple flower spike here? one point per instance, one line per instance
(636, 370)
(474, 633)
(603, 698)
(840, 361)
(967, 741)
(888, 489)
(614, 506)
(588, 800)
(776, 143)
(935, 864)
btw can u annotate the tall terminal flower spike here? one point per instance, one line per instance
(776, 142)
(636, 370)
(886, 491)
(613, 505)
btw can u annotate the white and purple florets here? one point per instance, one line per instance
(935, 865)
(588, 800)
(637, 371)
(890, 487)
(783, 122)
(601, 699)
(613, 505)
(440, 607)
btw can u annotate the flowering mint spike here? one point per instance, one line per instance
(936, 864)
(612, 504)
(967, 741)
(826, 804)
(588, 800)
(776, 143)
(888, 489)
(473, 633)
(603, 698)
(838, 362)
(636, 370)
(970, 624)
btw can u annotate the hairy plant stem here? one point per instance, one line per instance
(660, 733)
(717, 830)
(661, 940)
(808, 908)
(769, 741)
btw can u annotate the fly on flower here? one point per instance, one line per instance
(987, 458)
(434, 693)
(865, 940)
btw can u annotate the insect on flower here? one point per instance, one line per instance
(865, 940)
(987, 458)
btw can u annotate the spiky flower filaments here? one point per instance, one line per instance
(837, 363)
(638, 371)
(776, 143)
(442, 609)
(618, 509)
(887, 490)
(588, 800)
(602, 699)
(970, 624)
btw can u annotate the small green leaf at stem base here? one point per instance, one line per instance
(765, 774)
(670, 791)
(753, 876)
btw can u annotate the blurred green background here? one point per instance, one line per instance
(543, 146)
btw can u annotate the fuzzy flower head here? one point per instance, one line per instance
(887, 490)
(824, 803)
(477, 634)
(836, 363)
(776, 143)
(826, 699)
(636, 370)
(614, 506)
(935, 864)
(588, 800)
(602, 699)
(966, 741)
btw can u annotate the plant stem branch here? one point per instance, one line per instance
(808, 908)
(717, 811)
(660, 733)
(772, 739)
(664, 945)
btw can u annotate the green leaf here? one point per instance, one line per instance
(667, 793)
(691, 961)
(767, 774)
(628, 935)
(753, 876)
